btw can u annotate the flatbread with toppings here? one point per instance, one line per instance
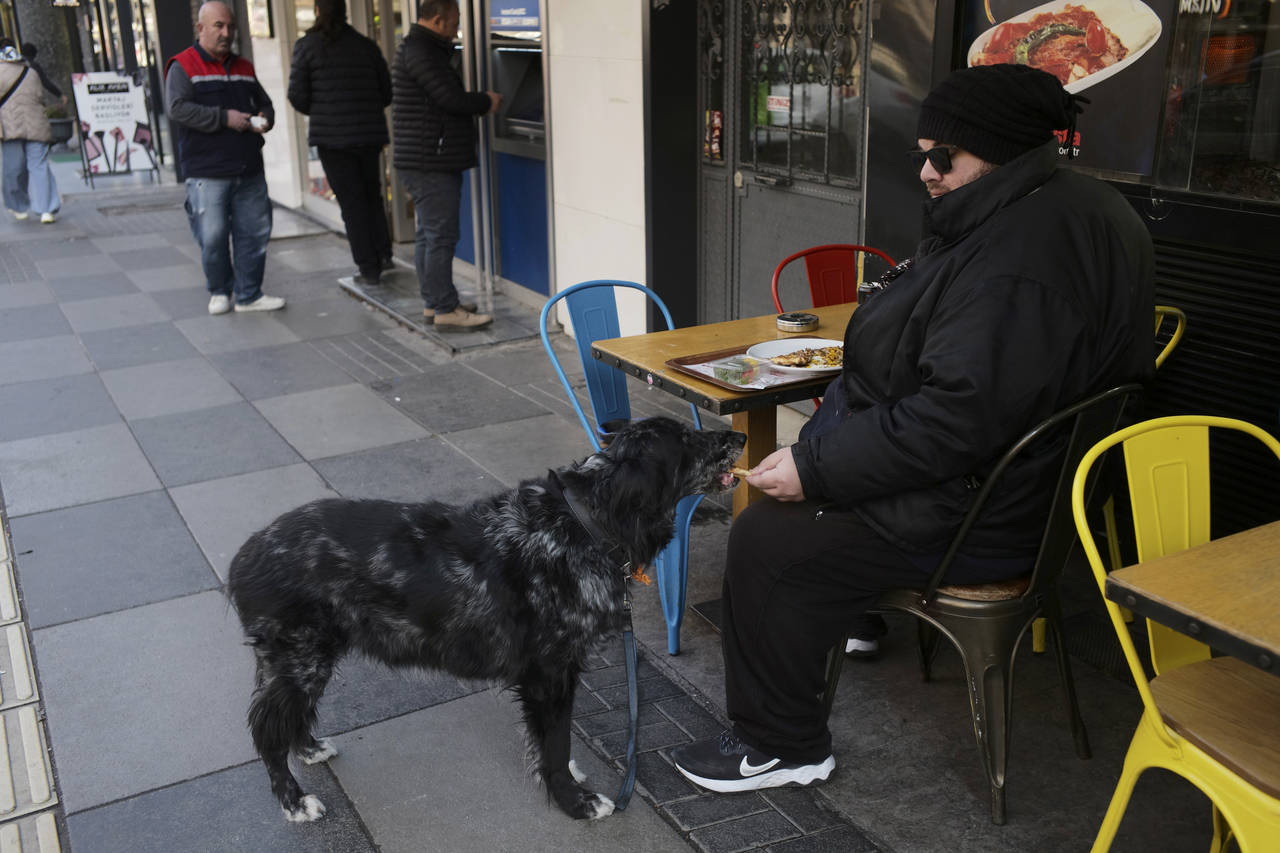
(817, 357)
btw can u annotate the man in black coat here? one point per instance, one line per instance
(435, 142)
(339, 78)
(1033, 289)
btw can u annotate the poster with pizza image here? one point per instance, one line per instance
(1112, 52)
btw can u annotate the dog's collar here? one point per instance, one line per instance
(615, 551)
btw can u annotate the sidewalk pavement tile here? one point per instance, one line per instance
(327, 316)
(179, 275)
(228, 332)
(426, 469)
(113, 312)
(455, 397)
(67, 266)
(278, 370)
(516, 450)
(42, 358)
(62, 404)
(456, 774)
(167, 387)
(223, 513)
(93, 287)
(53, 247)
(311, 258)
(188, 447)
(342, 419)
(25, 294)
(182, 303)
(139, 552)
(32, 321)
(183, 659)
(148, 258)
(229, 810)
(136, 345)
(125, 242)
(71, 468)
(364, 692)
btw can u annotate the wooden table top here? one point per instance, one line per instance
(645, 356)
(1223, 593)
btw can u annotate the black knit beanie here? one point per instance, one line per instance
(997, 112)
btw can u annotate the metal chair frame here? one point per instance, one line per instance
(832, 270)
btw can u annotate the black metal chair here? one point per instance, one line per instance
(985, 622)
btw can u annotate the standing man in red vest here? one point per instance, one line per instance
(219, 114)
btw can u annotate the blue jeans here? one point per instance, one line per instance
(231, 220)
(28, 180)
(437, 200)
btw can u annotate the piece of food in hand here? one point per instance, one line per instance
(819, 357)
(740, 472)
(638, 574)
(737, 369)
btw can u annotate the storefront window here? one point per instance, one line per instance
(802, 76)
(1221, 129)
(711, 26)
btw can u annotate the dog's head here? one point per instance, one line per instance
(674, 457)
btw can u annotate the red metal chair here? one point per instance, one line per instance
(832, 270)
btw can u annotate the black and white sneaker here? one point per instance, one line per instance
(726, 764)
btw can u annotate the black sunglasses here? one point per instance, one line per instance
(939, 157)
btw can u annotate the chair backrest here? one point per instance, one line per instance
(1088, 420)
(1167, 464)
(1165, 314)
(833, 271)
(593, 311)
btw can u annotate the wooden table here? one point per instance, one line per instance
(753, 412)
(1223, 593)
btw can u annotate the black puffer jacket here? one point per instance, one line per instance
(344, 86)
(432, 114)
(1034, 291)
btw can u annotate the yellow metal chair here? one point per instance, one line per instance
(1212, 721)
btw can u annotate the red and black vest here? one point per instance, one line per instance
(230, 85)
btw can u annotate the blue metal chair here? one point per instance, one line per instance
(594, 313)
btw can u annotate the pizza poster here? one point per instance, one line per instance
(1113, 52)
(114, 124)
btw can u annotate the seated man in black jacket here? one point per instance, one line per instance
(1032, 290)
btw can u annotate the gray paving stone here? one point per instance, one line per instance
(167, 387)
(25, 294)
(59, 247)
(47, 406)
(136, 345)
(184, 274)
(32, 321)
(91, 287)
(658, 735)
(473, 400)
(68, 266)
(229, 810)
(43, 358)
(229, 332)
(744, 833)
(706, 809)
(402, 775)
(515, 450)
(153, 257)
(128, 242)
(422, 470)
(841, 839)
(807, 808)
(650, 690)
(182, 303)
(327, 316)
(189, 447)
(71, 468)
(332, 421)
(660, 780)
(364, 692)
(186, 657)
(690, 716)
(113, 312)
(223, 513)
(96, 558)
(278, 370)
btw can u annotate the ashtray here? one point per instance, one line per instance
(794, 321)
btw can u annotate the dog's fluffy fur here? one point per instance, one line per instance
(511, 588)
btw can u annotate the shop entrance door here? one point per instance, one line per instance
(782, 90)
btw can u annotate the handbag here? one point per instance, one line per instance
(16, 84)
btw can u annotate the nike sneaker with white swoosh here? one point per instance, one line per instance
(726, 764)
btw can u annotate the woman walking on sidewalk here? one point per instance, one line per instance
(29, 185)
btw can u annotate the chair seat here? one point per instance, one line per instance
(1229, 709)
(1005, 590)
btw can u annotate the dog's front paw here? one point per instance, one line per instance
(310, 808)
(322, 751)
(598, 806)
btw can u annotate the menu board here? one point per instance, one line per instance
(114, 124)
(1113, 52)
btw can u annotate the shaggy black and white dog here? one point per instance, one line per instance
(516, 588)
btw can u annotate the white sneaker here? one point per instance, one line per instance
(19, 214)
(46, 218)
(262, 303)
(219, 303)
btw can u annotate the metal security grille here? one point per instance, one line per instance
(803, 89)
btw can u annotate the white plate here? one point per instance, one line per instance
(768, 349)
(1132, 21)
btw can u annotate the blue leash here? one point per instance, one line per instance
(633, 706)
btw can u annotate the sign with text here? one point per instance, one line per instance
(515, 16)
(115, 126)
